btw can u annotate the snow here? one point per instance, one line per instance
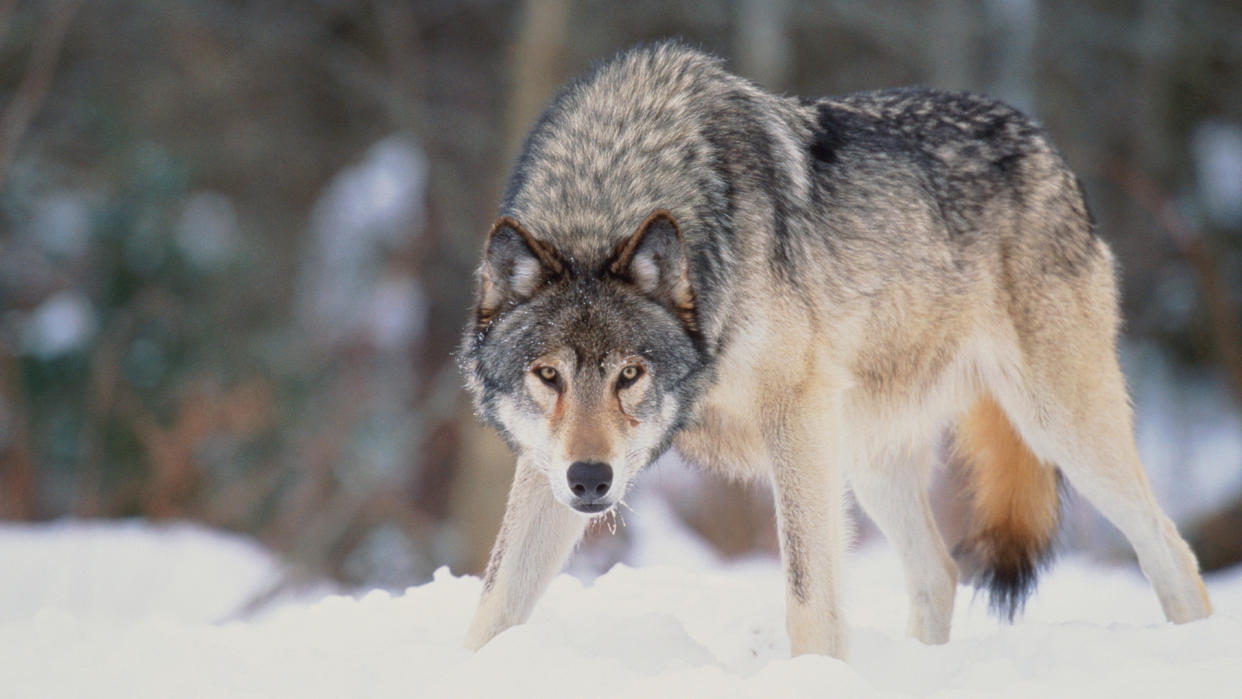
(207, 233)
(128, 570)
(63, 323)
(135, 610)
(368, 213)
(60, 224)
(1217, 149)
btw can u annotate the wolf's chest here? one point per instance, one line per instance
(724, 440)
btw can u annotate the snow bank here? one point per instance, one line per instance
(128, 569)
(128, 611)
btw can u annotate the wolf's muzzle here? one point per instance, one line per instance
(590, 481)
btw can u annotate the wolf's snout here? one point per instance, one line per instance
(590, 480)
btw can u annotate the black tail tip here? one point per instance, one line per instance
(1007, 570)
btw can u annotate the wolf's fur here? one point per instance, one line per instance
(807, 290)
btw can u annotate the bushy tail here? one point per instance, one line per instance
(1017, 509)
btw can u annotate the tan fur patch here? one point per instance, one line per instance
(1012, 492)
(588, 437)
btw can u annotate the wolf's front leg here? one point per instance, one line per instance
(536, 536)
(810, 508)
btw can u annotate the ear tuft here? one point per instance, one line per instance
(515, 264)
(654, 259)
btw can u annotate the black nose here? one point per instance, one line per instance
(589, 480)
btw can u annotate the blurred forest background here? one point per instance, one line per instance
(237, 240)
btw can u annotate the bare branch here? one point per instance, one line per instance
(1222, 311)
(34, 85)
(6, 12)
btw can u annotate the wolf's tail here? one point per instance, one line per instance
(1017, 509)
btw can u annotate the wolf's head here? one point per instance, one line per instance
(585, 368)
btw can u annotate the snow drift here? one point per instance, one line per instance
(130, 610)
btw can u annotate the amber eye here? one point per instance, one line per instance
(629, 375)
(546, 374)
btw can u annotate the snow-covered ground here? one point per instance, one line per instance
(131, 610)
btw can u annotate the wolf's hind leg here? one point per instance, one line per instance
(1093, 443)
(536, 537)
(893, 490)
(1068, 399)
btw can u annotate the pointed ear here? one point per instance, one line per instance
(654, 259)
(514, 265)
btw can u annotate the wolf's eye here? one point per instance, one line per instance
(629, 375)
(546, 374)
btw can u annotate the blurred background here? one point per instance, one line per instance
(237, 239)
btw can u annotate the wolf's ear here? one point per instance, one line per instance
(654, 259)
(514, 265)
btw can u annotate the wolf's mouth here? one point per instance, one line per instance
(591, 508)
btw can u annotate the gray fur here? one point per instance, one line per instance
(872, 175)
(833, 281)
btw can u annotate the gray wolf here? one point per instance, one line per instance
(809, 291)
